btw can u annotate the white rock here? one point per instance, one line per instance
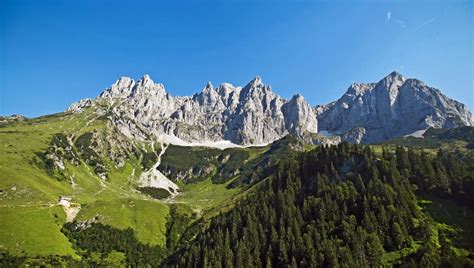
(155, 179)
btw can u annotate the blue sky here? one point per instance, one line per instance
(55, 52)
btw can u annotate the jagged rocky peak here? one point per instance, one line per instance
(145, 86)
(226, 89)
(360, 88)
(208, 96)
(209, 89)
(245, 116)
(146, 82)
(256, 88)
(394, 79)
(124, 82)
(299, 116)
(119, 90)
(78, 107)
(254, 114)
(391, 84)
(126, 87)
(393, 107)
(298, 102)
(258, 97)
(256, 82)
(297, 98)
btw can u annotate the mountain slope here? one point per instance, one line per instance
(393, 107)
(100, 185)
(82, 160)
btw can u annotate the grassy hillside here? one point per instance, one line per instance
(457, 140)
(147, 217)
(31, 218)
(29, 211)
(34, 230)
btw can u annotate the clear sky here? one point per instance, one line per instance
(55, 52)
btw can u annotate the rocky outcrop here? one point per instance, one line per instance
(299, 116)
(78, 107)
(90, 148)
(253, 115)
(393, 107)
(244, 116)
(12, 118)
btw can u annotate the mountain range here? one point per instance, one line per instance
(230, 115)
(236, 177)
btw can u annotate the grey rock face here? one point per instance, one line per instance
(393, 107)
(299, 116)
(78, 107)
(245, 116)
(254, 114)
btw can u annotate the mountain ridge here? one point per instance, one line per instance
(255, 115)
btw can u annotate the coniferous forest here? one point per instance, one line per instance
(337, 206)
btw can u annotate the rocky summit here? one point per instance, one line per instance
(226, 114)
(393, 107)
(229, 115)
